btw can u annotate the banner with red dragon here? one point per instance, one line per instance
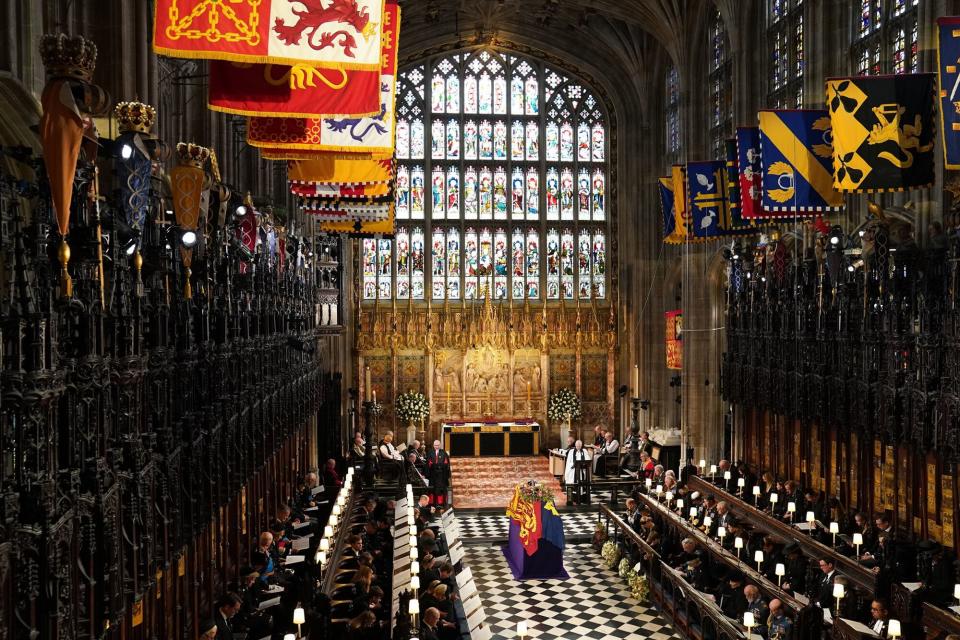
(338, 34)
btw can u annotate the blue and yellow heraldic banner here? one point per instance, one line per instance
(706, 188)
(883, 131)
(948, 66)
(665, 186)
(796, 156)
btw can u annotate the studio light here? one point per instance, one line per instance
(189, 238)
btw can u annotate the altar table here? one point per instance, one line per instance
(491, 438)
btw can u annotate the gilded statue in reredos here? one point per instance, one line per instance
(487, 372)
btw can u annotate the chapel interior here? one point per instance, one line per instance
(487, 319)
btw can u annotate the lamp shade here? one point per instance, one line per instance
(741, 482)
(811, 518)
(522, 628)
(414, 582)
(738, 542)
(726, 475)
(713, 468)
(410, 513)
(693, 512)
(748, 620)
(780, 570)
(791, 507)
(659, 489)
(324, 544)
(834, 527)
(290, 636)
(668, 495)
(648, 482)
(321, 558)
(334, 519)
(707, 521)
(298, 616)
(328, 531)
(857, 539)
(414, 607)
(758, 556)
(838, 590)
(956, 591)
(721, 531)
(893, 628)
(409, 488)
(413, 540)
(756, 490)
(679, 503)
(413, 553)
(336, 510)
(415, 567)
(703, 463)
(774, 498)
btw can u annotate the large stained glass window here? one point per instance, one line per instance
(885, 38)
(785, 39)
(502, 179)
(721, 91)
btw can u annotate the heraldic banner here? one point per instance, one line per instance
(340, 34)
(665, 186)
(750, 171)
(674, 344)
(883, 131)
(373, 134)
(706, 189)
(948, 67)
(796, 155)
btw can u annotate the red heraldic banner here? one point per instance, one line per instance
(338, 34)
(301, 91)
(374, 134)
(674, 339)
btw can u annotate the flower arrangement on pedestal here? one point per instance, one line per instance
(564, 405)
(413, 406)
(376, 409)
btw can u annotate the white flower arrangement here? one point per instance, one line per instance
(564, 404)
(624, 568)
(610, 553)
(413, 405)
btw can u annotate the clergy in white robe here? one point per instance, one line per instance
(575, 473)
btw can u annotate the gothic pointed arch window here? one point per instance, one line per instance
(671, 92)
(885, 37)
(721, 91)
(785, 38)
(498, 156)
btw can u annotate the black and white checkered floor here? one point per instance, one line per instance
(593, 603)
(494, 527)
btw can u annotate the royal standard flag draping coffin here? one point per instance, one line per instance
(340, 34)
(372, 134)
(796, 156)
(707, 199)
(948, 67)
(665, 186)
(883, 131)
(750, 172)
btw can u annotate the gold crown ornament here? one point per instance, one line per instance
(192, 154)
(68, 56)
(135, 117)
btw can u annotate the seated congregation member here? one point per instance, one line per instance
(375, 604)
(267, 553)
(879, 617)
(428, 569)
(823, 594)
(358, 451)
(428, 624)
(771, 557)
(608, 450)
(412, 473)
(778, 623)
(758, 607)
(354, 546)
(632, 516)
(688, 551)
(795, 568)
(364, 627)
(598, 436)
(657, 476)
(387, 450)
(420, 458)
(330, 476)
(732, 600)
(446, 575)
(208, 630)
(423, 503)
(249, 589)
(228, 606)
(362, 582)
(305, 497)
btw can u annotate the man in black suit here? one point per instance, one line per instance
(227, 607)
(824, 593)
(732, 601)
(646, 444)
(428, 624)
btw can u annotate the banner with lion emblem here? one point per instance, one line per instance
(883, 131)
(948, 66)
(340, 34)
(796, 158)
(372, 134)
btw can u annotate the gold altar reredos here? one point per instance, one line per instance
(490, 359)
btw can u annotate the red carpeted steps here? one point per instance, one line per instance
(489, 482)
